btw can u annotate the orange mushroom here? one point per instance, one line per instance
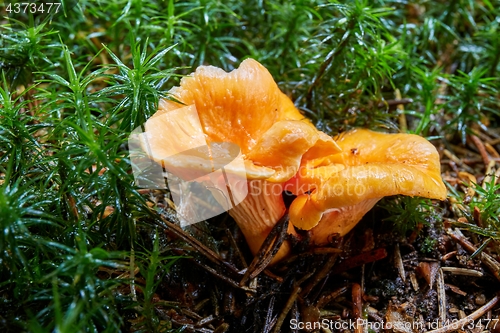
(334, 192)
(243, 111)
(244, 108)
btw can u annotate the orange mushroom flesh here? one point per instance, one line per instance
(334, 192)
(336, 182)
(246, 108)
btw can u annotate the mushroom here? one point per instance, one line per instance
(211, 113)
(334, 192)
(215, 116)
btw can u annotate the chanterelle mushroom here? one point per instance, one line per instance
(334, 192)
(336, 182)
(246, 108)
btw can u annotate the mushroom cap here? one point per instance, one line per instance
(214, 116)
(239, 106)
(177, 141)
(244, 107)
(371, 165)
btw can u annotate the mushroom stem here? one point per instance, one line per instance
(259, 212)
(340, 221)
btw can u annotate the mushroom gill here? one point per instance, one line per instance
(244, 107)
(334, 192)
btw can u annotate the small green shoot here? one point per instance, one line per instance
(408, 213)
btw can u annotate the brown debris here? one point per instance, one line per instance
(399, 263)
(462, 271)
(397, 318)
(357, 301)
(361, 259)
(491, 150)
(442, 304)
(468, 319)
(325, 299)
(456, 290)
(290, 302)
(482, 150)
(486, 259)
(268, 250)
(428, 270)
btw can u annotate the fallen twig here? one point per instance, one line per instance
(462, 271)
(321, 274)
(486, 259)
(399, 263)
(456, 160)
(360, 259)
(289, 303)
(236, 248)
(489, 174)
(196, 244)
(325, 299)
(482, 150)
(441, 295)
(270, 321)
(357, 305)
(219, 275)
(403, 125)
(268, 250)
(491, 150)
(414, 282)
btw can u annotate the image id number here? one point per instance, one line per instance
(33, 8)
